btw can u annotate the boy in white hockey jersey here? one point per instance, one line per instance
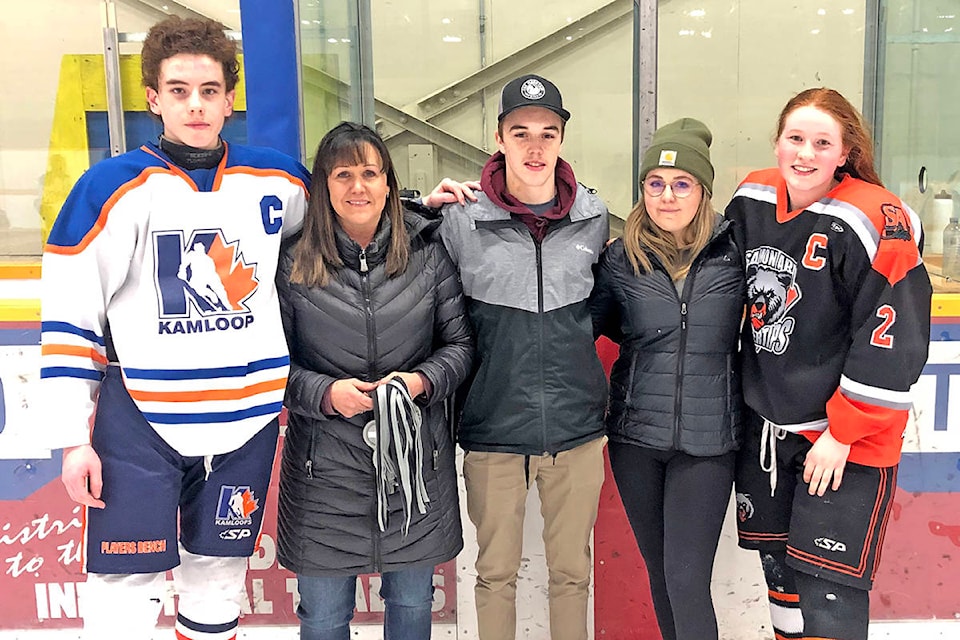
(161, 321)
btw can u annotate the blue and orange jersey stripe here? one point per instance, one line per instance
(247, 391)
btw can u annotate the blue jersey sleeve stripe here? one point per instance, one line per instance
(70, 372)
(217, 416)
(50, 326)
(206, 374)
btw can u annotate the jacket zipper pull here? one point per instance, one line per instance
(436, 458)
(363, 261)
(683, 316)
(309, 469)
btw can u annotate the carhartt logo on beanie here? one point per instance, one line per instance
(685, 145)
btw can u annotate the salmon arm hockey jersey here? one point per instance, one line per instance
(171, 274)
(838, 318)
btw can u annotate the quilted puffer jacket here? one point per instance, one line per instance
(365, 325)
(676, 382)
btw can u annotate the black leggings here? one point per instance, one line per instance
(676, 504)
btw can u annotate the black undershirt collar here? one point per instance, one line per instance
(190, 158)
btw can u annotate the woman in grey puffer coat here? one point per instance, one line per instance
(368, 298)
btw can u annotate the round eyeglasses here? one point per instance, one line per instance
(654, 187)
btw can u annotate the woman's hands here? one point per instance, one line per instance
(413, 381)
(824, 463)
(351, 396)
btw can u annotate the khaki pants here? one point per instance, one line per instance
(569, 487)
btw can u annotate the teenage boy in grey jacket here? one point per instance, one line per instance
(534, 411)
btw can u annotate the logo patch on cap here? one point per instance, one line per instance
(532, 89)
(668, 158)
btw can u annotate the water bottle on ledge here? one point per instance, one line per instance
(951, 250)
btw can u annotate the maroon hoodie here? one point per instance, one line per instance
(493, 181)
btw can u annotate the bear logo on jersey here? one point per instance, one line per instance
(205, 275)
(745, 508)
(771, 293)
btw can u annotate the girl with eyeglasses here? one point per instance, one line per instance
(671, 294)
(838, 332)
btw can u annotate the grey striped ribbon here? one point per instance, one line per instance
(397, 450)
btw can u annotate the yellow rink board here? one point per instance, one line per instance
(945, 305)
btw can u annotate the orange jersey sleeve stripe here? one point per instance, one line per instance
(212, 394)
(72, 350)
(852, 420)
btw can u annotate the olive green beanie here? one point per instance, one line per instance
(683, 144)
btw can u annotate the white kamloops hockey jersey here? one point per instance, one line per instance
(171, 274)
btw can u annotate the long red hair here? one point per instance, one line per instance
(857, 142)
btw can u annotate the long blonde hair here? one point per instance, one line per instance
(642, 235)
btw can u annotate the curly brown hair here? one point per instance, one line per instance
(176, 35)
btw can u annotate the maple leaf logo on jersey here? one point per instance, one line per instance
(771, 292)
(242, 503)
(204, 274)
(238, 279)
(236, 505)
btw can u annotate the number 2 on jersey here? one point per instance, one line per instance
(880, 337)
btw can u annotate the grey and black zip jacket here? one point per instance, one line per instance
(538, 385)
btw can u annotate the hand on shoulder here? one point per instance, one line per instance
(450, 191)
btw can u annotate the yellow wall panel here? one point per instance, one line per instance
(82, 88)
